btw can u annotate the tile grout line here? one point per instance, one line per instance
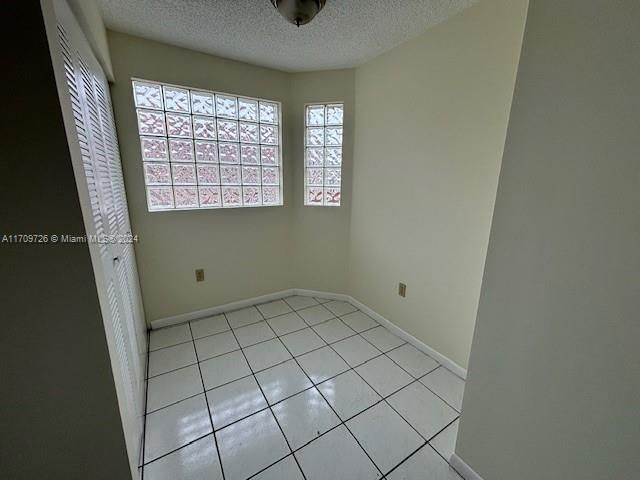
(455, 409)
(439, 432)
(190, 442)
(251, 345)
(418, 379)
(239, 378)
(308, 325)
(284, 399)
(275, 463)
(313, 385)
(427, 440)
(385, 353)
(275, 365)
(384, 398)
(428, 444)
(175, 370)
(297, 393)
(264, 318)
(287, 398)
(267, 400)
(239, 347)
(206, 399)
(300, 355)
(334, 411)
(144, 416)
(255, 379)
(249, 375)
(169, 346)
(436, 393)
(438, 452)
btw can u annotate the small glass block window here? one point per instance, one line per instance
(323, 154)
(203, 149)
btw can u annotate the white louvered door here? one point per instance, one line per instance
(86, 105)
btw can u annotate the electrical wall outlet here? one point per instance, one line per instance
(200, 275)
(402, 290)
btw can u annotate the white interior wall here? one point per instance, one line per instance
(320, 234)
(245, 252)
(553, 389)
(430, 126)
(89, 17)
(428, 121)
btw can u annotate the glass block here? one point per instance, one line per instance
(179, 125)
(230, 174)
(332, 176)
(154, 148)
(268, 135)
(268, 155)
(226, 106)
(332, 196)
(159, 198)
(228, 153)
(176, 99)
(315, 137)
(249, 132)
(147, 95)
(183, 174)
(208, 175)
(251, 175)
(251, 196)
(314, 196)
(151, 123)
(333, 157)
(315, 115)
(186, 197)
(270, 175)
(227, 130)
(268, 112)
(204, 128)
(250, 154)
(270, 195)
(335, 114)
(202, 103)
(314, 176)
(181, 150)
(210, 196)
(248, 109)
(333, 136)
(315, 157)
(206, 152)
(231, 196)
(157, 174)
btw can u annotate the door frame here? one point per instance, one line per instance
(54, 12)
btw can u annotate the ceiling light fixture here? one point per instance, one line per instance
(299, 12)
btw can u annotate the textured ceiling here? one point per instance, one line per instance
(344, 34)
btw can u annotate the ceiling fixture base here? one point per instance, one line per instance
(298, 12)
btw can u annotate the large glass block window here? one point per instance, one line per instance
(323, 154)
(203, 149)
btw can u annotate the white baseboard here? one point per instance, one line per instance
(207, 312)
(227, 307)
(440, 358)
(463, 469)
(318, 293)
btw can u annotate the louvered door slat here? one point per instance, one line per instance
(96, 162)
(73, 80)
